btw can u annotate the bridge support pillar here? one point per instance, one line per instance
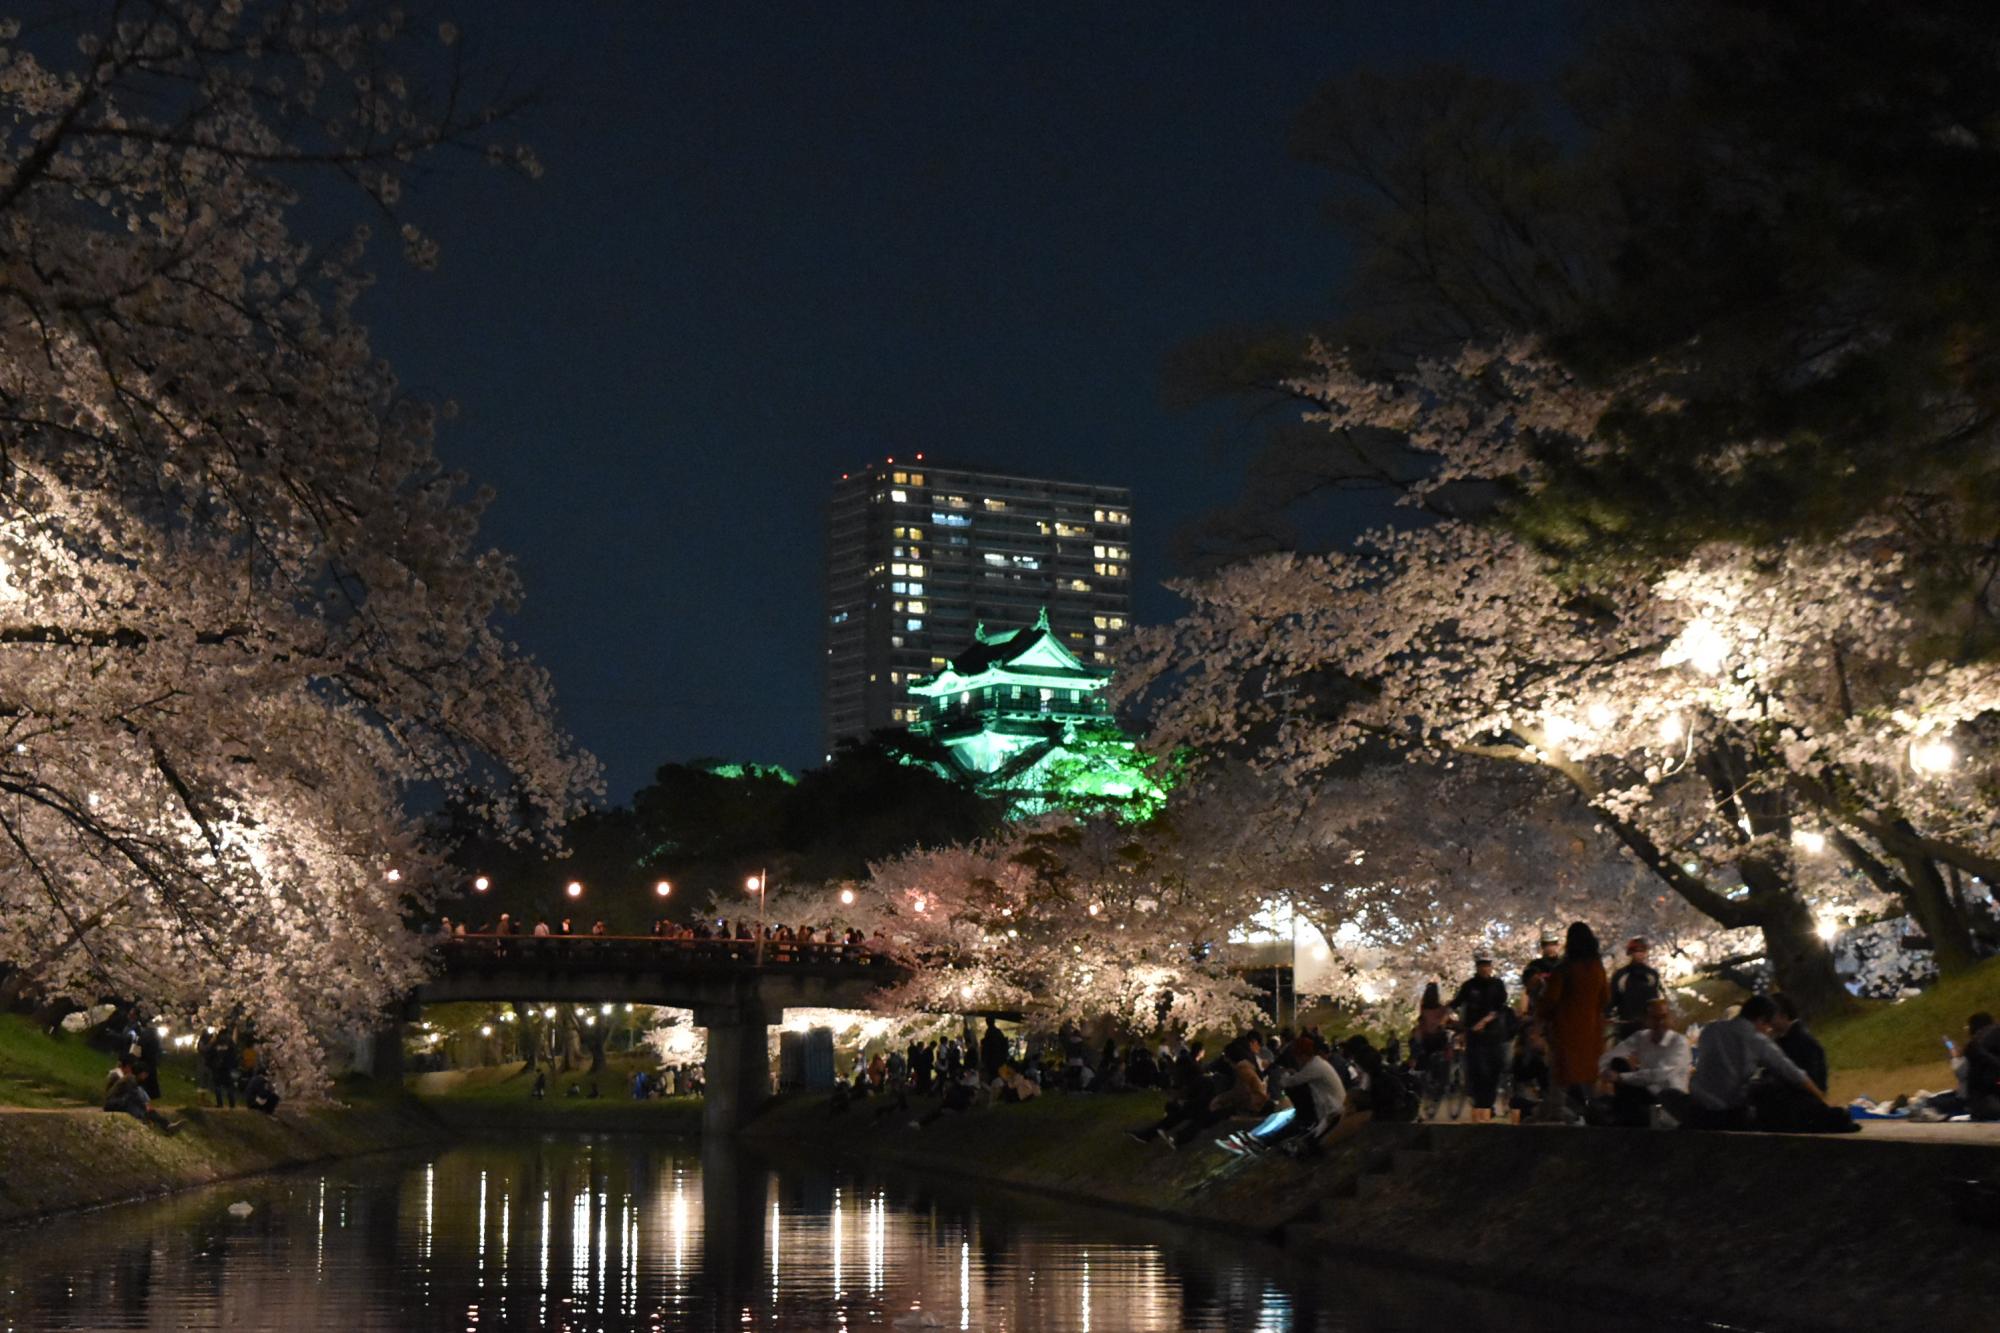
(736, 1079)
(385, 1050)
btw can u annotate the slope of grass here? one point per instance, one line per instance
(1911, 1032)
(63, 1069)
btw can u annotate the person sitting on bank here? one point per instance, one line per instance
(959, 1096)
(260, 1095)
(1238, 1090)
(1982, 1067)
(1014, 1086)
(1633, 987)
(1726, 1094)
(1788, 1029)
(125, 1090)
(1649, 1068)
(1318, 1100)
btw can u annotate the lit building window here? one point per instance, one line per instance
(916, 571)
(1078, 585)
(1071, 530)
(995, 558)
(939, 662)
(900, 478)
(899, 569)
(916, 589)
(957, 502)
(992, 503)
(916, 607)
(1108, 570)
(951, 520)
(913, 625)
(900, 497)
(916, 479)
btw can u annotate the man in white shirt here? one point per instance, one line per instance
(1318, 1101)
(1733, 1053)
(1649, 1068)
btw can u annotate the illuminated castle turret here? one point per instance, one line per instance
(1029, 719)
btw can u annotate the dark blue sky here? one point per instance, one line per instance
(774, 242)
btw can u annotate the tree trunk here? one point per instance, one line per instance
(524, 1036)
(598, 1034)
(1929, 901)
(1800, 959)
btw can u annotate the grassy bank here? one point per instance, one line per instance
(63, 1069)
(1887, 1048)
(496, 1098)
(1838, 1232)
(53, 1160)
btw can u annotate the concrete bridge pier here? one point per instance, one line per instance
(736, 1079)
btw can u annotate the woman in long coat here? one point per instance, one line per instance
(1572, 1009)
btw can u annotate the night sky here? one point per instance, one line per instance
(772, 243)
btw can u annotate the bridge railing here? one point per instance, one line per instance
(652, 952)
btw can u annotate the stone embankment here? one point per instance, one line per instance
(1852, 1231)
(57, 1160)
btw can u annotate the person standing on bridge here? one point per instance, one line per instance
(542, 930)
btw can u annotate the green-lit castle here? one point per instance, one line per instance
(1023, 714)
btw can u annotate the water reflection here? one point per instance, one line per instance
(599, 1234)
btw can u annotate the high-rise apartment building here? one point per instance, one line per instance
(919, 554)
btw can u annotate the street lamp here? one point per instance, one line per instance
(574, 888)
(847, 897)
(663, 888)
(757, 885)
(481, 884)
(1932, 755)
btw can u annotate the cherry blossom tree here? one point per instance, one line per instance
(244, 612)
(1745, 720)
(1057, 918)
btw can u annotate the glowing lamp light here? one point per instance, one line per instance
(1600, 715)
(574, 889)
(1809, 840)
(847, 897)
(919, 904)
(1700, 646)
(1672, 729)
(604, 1009)
(1093, 909)
(482, 884)
(162, 1031)
(753, 884)
(1932, 755)
(485, 1029)
(549, 1012)
(393, 876)
(663, 888)
(1828, 928)
(965, 991)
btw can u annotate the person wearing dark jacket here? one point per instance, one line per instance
(1982, 1067)
(1633, 987)
(1788, 1029)
(992, 1052)
(1481, 1003)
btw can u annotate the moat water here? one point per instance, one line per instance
(616, 1232)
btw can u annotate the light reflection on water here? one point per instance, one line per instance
(615, 1233)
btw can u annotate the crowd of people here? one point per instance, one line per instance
(662, 928)
(1570, 1044)
(227, 1066)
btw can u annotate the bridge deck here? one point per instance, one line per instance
(651, 953)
